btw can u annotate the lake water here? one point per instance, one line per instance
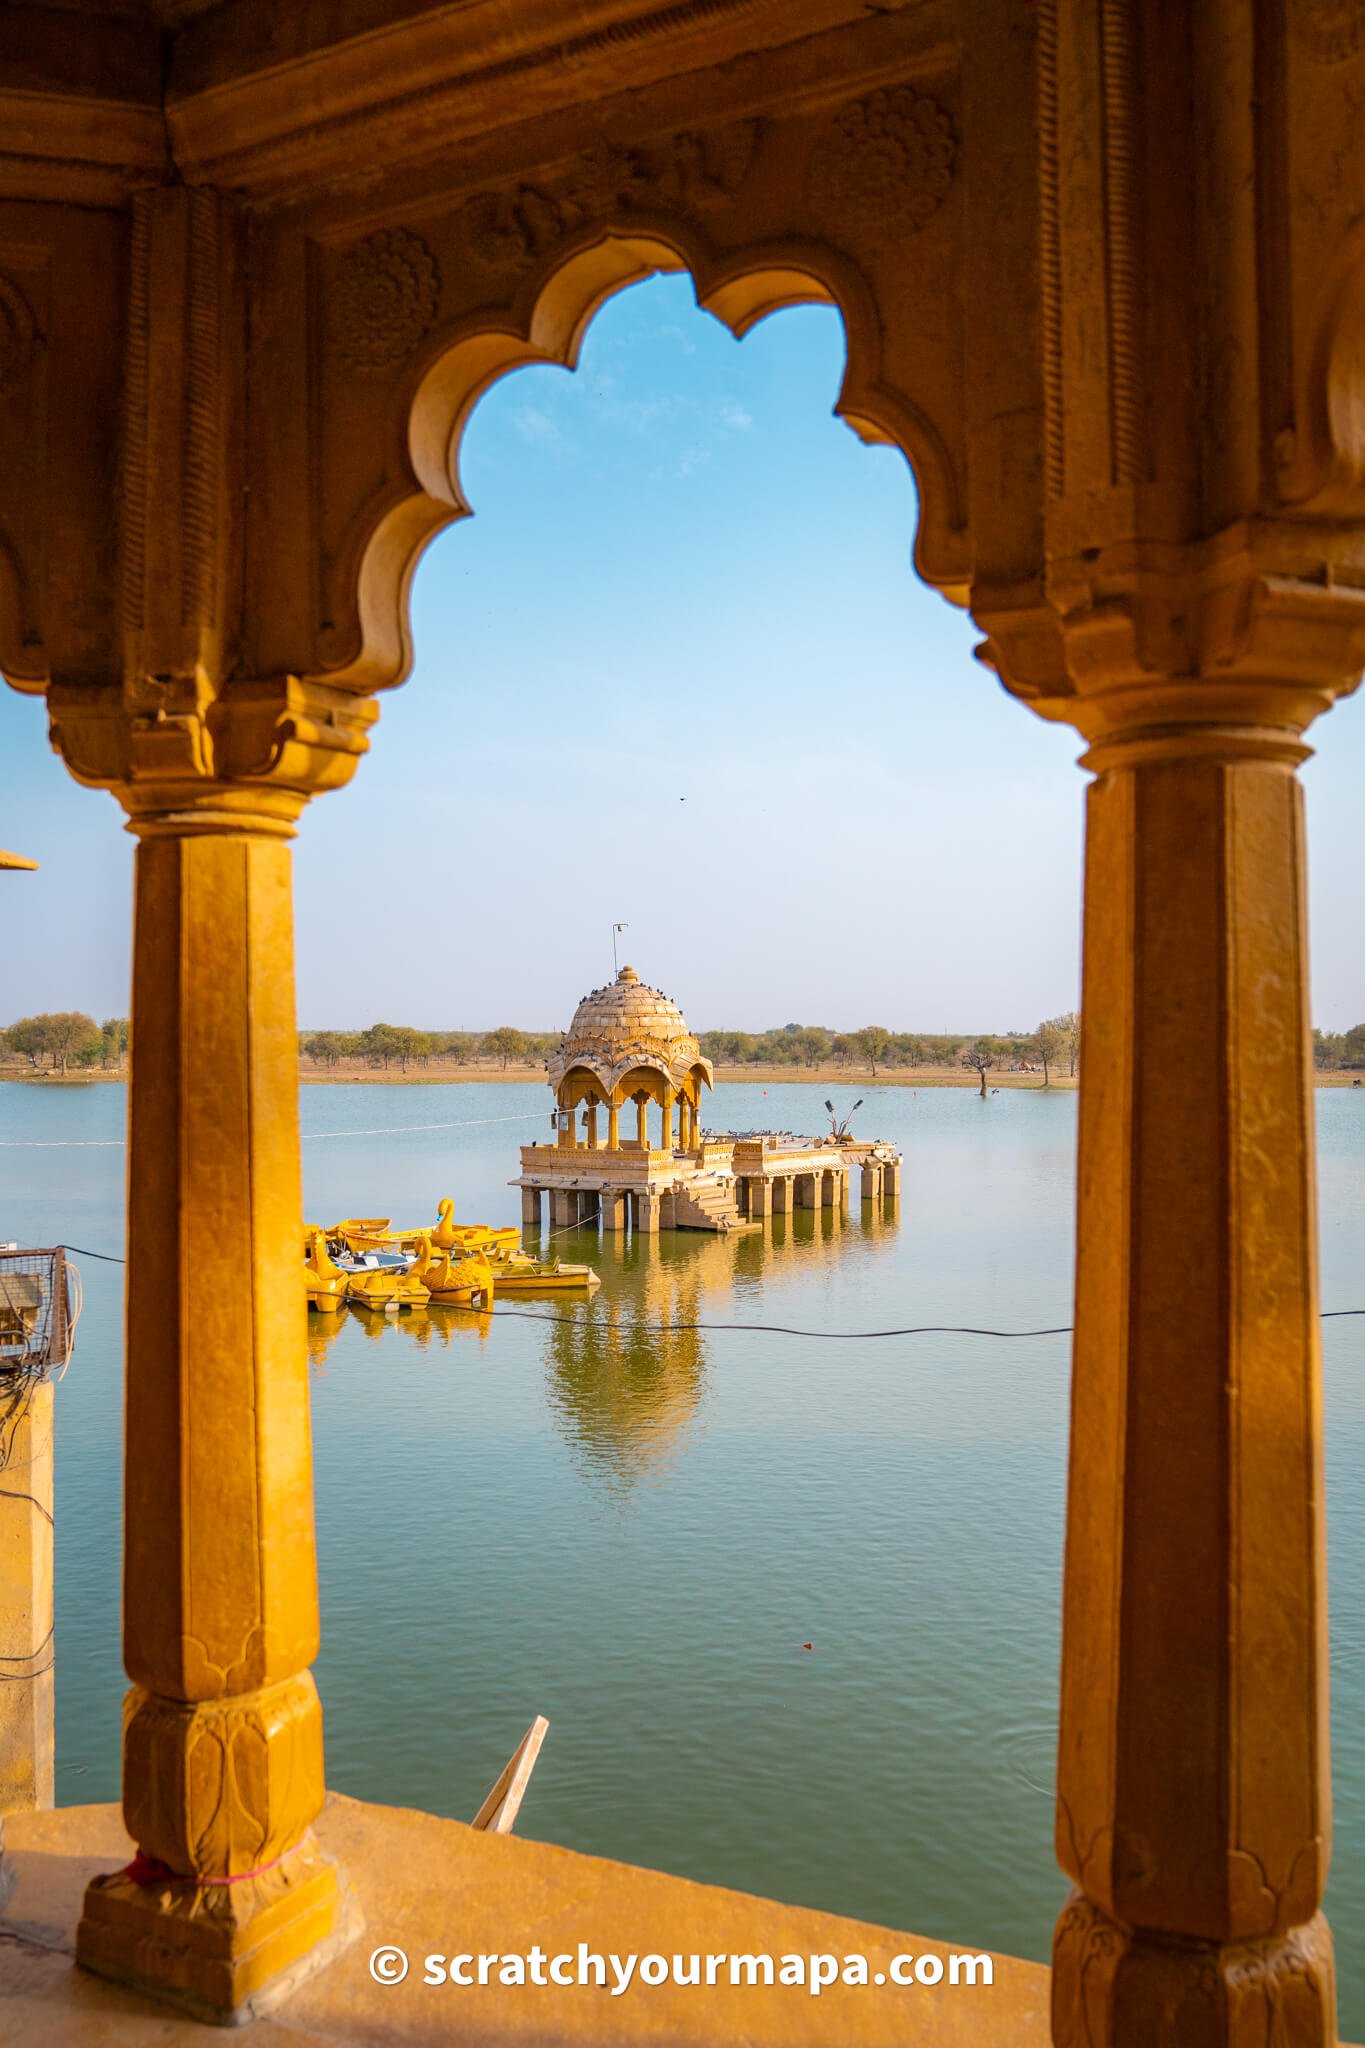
(635, 1538)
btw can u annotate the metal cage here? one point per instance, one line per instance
(39, 1309)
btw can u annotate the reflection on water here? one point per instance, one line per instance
(625, 1381)
(627, 1366)
(547, 1512)
(432, 1325)
(426, 1327)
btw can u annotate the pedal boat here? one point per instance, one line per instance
(326, 1281)
(516, 1272)
(453, 1277)
(367, 1239)
(384, 1289)
(377, 1234)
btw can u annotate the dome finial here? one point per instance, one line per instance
(627, 974)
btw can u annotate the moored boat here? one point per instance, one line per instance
(326, 1281)
(385, 1289)
(460, 1264)
(516, 1272)
(457, 1278)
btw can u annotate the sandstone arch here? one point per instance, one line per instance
(544, 322)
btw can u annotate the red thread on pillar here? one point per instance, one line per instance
(149, 1870)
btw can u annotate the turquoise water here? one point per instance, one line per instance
(637, 1539)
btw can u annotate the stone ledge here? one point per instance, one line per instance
(436, 1886)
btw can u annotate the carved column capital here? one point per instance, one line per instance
(183, 758)
(1142, 638)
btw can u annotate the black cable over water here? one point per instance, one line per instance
(762, 1329)
(527, 1315)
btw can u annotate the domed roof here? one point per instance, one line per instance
(626, 1025)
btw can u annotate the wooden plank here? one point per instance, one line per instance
(499, 1809)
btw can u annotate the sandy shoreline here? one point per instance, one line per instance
(823, 1077)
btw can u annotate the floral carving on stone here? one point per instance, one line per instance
(384, 298)
(691, 172)
(18, 333)
(885, 166)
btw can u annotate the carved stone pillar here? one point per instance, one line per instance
(223, 1765)
(592, 1124)
(613, 1127)
(642, 1123)
(1193, 1790)
(666, 1121)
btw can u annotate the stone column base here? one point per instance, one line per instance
(222, 1953)
(1114, 1988)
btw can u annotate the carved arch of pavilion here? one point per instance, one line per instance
(543, 320)
(255, 268)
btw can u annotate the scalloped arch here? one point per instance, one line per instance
(1321, 461)
(582, 1081)
(648, 1075)
(546, 323)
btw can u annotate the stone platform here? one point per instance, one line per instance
(725, 1181)
(437, 1887)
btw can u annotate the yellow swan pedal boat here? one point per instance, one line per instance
(325, 1280)
(369, 1280)
(385, 1290)
(457, 1263)
(457, 1278)
(361, 1234)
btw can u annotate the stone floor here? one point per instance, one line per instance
(436, 1886)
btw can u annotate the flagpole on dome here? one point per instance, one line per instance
(614, 930)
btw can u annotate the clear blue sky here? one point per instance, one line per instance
(677, 670)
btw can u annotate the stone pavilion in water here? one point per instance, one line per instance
(629, 1149)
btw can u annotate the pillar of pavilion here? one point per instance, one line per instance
(1102, 274)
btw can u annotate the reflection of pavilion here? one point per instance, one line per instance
(626, 1386)
(627, 1383)
(628, 1371)
(629, 1049)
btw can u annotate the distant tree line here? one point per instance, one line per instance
(399, 1045)
(873, 1049)
(1340, 1048)
(58, 1040)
